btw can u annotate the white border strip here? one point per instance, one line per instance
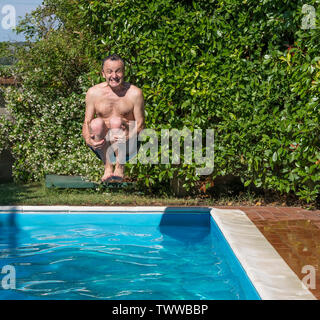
(268, 272)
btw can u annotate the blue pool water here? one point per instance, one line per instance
(120, 256)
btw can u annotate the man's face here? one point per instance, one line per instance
(113, 72)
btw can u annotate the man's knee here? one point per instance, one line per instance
(98, 128)
(115, 122)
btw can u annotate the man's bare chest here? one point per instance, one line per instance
(106, 106)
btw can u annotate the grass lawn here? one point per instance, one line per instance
(38, 194)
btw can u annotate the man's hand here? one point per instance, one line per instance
(117, 135)
(96, 144)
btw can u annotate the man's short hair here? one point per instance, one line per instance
(112, 57)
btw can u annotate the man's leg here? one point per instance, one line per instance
(119, 167)
(98, 131)
(119, 147)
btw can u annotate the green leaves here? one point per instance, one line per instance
(275, 157)
(247, 71)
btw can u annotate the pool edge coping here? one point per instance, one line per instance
(269, 273)
(100, 209)
(235, 226)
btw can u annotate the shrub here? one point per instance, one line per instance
(245, 69)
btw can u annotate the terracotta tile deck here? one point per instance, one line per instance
(294, 233)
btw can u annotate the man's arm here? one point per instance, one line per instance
(138, 112)
(89, 115)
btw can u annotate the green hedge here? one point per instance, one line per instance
(243, 68)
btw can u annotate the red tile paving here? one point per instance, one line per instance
(293, 232)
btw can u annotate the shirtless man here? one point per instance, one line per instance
(119, 110)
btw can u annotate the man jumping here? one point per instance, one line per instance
(114, 116)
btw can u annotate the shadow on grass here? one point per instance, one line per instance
(14, 194)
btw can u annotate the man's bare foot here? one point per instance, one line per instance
(118, 172)
(107, 175)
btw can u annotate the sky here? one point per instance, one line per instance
(10, 11)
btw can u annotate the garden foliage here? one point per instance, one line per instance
(246, 69)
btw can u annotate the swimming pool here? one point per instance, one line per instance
(120, 255)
